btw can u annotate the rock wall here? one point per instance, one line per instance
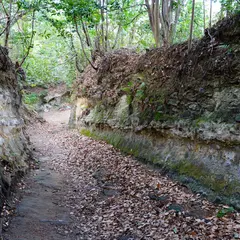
(174, 108)
(13, 148)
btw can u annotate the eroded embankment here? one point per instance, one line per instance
(13, 148)
(172, 107)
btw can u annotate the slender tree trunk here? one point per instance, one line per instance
(85, 31)
(117, 36)
(204, 17)
(157, 22)
(7, 31)
(122, 39)
(77, 64)
(222, 11)
(107, 25)
(210, 14)
(228, 10)
(165, 19)
(174, 25)
(102, 23)
(150, 16)
(153, 15)
(97, 39)
(82, 45)
(191, 26)
(31, 40)
(131, 37)
(8, 24)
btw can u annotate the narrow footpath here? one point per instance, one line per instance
(86, 190)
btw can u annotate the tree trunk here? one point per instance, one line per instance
(8, 23)
(157, 22)
(82, 45)
(7, 31)
(107, 25)
(228, 9)
(77, 64)
(117, 36)
(163, 20)
(31, 40)
(132, 34)
(222, 11)
(191, 26)
(102, 23)
(210, 14)
(85, 31)
(174, 24)
(153, 15)
(97, 44)
(204, 17)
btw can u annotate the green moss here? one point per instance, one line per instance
(129, 99)
(161, 117)
(190, 169)
(87, 133)
(142, 150)
(203, 119)
(116, 140)
(3, 157)
(199, 173)
(98, 113)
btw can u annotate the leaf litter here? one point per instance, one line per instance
(113, 196)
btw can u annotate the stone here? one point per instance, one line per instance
(14, 152)
(237, 118)
(175, 207)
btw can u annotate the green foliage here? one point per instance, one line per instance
(224, 211)
(56, 53)
(135, 90)
(50, 61)
(127, 90)
(140, 93)
(230, 7)
(87, 133)
(182, 33)
(31, 98)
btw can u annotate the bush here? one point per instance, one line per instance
(31, 98)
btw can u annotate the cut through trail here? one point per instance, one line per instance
(86, 189)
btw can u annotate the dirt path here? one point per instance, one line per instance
(40, 212)
(86, 189)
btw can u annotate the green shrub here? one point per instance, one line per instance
(31, 98)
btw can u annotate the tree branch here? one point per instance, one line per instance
(12, 21)
(4, 9)
(31, 40)
(81, 41)
(134, 18)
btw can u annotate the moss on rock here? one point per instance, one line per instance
(146, 149)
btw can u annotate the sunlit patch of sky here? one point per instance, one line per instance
(216, 6)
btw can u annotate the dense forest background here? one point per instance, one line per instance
(53, 40)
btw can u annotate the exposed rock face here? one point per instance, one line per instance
(176, 108)
(13, 147)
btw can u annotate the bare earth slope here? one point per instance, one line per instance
(172, 107)
(85, 189)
